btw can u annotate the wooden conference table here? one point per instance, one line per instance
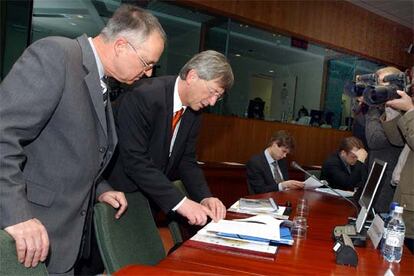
(310, 256)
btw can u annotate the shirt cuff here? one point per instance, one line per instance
(281, 188)
(179, 204)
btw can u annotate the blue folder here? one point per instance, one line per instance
(285, 237)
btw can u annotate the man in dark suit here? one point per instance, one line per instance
(345, 169)
(157, 147)
(267, 171)
(57, 134)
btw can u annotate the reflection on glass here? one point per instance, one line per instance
(340, 70)
(269, 69)
(286, 75)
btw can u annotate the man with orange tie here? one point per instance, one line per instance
(158, 124)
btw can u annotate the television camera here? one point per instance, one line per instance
(376, 93)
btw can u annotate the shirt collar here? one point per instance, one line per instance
(178, 104)
(97, 59)
(269, 158)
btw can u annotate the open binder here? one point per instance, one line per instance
(257, 236)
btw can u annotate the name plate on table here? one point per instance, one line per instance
(376, 230)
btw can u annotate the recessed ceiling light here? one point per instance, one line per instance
(237, 55)
(271, 71)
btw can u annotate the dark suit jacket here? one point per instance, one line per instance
(144, 129)
(337, 175)
(56, 137)
(259, 174)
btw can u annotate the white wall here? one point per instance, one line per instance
(309, 84)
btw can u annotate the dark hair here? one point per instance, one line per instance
(348, 143)
(283, 139)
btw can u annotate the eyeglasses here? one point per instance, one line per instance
(219, 96)
(143, 62)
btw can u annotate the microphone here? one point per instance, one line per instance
(323, 182)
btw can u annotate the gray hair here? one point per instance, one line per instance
(210, 65)
(133, 23)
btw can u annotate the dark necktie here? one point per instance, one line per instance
(176, 118)
(278, 178)
(105, 89)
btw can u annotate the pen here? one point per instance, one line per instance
(274, 204)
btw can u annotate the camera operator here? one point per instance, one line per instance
(379, 145)
(400, 130)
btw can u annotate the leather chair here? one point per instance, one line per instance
(9, 265)
(132, 239)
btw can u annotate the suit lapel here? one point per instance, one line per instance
(92, 81)
(267, 169)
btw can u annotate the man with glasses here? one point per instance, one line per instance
(267, 171)
(57, 135)
(158, 124)
(346, 169)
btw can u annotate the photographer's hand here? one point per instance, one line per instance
(405, 103)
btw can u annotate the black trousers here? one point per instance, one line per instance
(93, 264)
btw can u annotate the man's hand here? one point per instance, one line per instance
(361, 154)
(194, 212)
(216, 206)
(116, 200)
(32, 241)
(405, 103)
(293, 184)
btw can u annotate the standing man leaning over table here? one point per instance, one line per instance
(57, 135)
(158, 124)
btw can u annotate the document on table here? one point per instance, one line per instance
(258, 234)
(279, 213)
(312, 183)
(260, 226)
(329, 191)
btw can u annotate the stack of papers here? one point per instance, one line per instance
(258, 229)
(257, 209)
(341, 192)
(261, 233)
(262, 205)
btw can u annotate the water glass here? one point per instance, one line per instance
(299, 227)
(302, 208)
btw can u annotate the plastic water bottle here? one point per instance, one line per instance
(394, 242)
(386, 221)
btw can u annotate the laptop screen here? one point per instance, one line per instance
(370, 189)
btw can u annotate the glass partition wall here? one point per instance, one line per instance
(276, 76)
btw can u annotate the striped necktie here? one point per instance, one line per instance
(176, 118)
(276, 171)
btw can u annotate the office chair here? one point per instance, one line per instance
(9, 265)
(132, 239)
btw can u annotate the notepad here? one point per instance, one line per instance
(265, 204)
(279, 213)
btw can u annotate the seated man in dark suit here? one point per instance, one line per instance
(267, 171)
(345, 169)
(158, 124)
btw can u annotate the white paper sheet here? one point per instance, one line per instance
(312, 183)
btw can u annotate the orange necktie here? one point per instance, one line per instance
(176, 118)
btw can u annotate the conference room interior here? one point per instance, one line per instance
(286, 56)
